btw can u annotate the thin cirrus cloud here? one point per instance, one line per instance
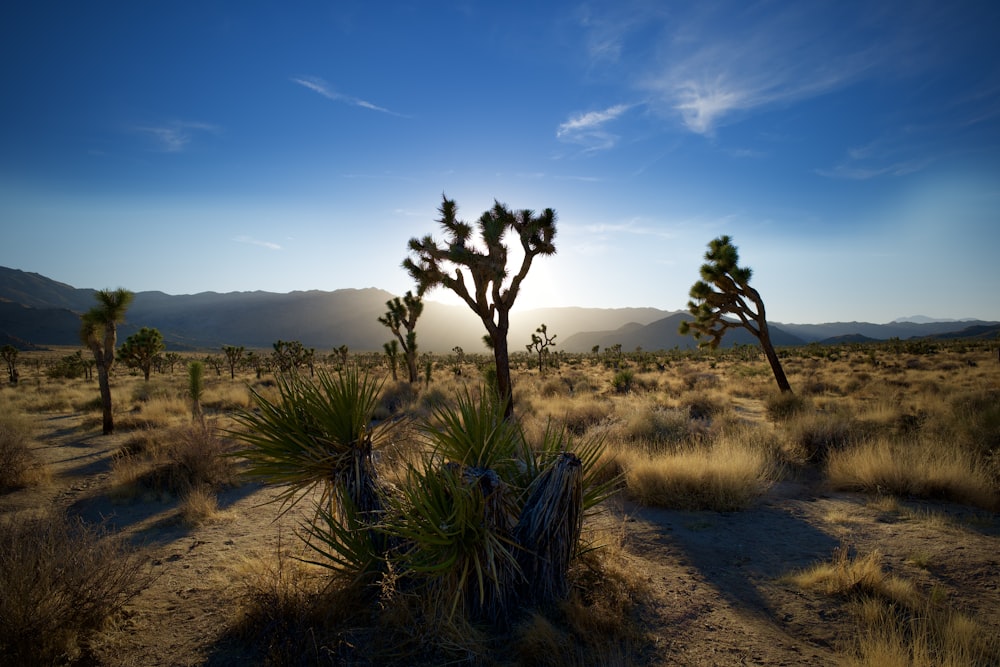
(589, 129)
(249, 240)
(176, 136)
(710, 63)
(318, 85)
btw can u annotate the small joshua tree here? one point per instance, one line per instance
(233, 355)
(540, 343)
(403, 314)
(724, 289)
(196, 387)
(392, 353)
(141, 349)
(9, 354)
(492, 291)
(99, 332)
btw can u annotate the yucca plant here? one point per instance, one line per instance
(455, 527)
(489, 520)
(318, 432)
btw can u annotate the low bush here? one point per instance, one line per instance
(61, 581)
(16, 457)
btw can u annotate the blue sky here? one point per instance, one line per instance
(851, 149)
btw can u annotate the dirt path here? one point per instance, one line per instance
(715, 597)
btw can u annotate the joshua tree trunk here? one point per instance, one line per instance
(772, 358)
(103, 379)
(549, 529)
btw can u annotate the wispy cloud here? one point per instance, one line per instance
(320, 86)
(175, 136)
(897, 154)
(249, 240)
(712, 62)
(588, 129)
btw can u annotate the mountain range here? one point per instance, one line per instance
(36, 311)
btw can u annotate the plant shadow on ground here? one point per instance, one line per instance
(150, 522)
(734, 553)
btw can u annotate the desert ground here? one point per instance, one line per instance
(700, 586)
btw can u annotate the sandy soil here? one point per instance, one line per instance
(714, 578)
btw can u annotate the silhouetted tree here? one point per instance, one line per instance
(141, 348)
(9, 354)
(403, 314)
(99, 332)
(233, 355)
(392, 352)
(724, 289)
(491, 295)
(540, 343)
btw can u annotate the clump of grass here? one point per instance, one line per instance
(61, 581)
(784, 405)
(17, 461)
(198, 505)
(813, 436)
(724, 476)
(923, 468)
(184, 458)
(896, 623)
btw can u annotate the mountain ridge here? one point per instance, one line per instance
(35, 310)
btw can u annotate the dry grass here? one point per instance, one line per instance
(896, 624)
(921, 467)
(171, 463)
(727, 475)
(61, 581)
(18, 464)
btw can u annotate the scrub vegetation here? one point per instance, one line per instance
(432, 537)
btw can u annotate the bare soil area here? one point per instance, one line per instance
(716, 594)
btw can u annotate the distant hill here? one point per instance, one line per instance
(35, 310)
(662, 335)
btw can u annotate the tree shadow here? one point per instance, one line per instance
(737, 552)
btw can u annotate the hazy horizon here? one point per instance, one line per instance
(851, 149)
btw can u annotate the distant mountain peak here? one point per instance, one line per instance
(923, 319)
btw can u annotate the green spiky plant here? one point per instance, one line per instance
(317, 432)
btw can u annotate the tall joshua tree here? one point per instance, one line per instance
(99, 332)
(724, 289)
(403, 314)
(141, 350)
(492, 291)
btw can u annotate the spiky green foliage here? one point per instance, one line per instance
(141, 348)
(724, 290)
(493, 290)
(318, 431)
(455, 524)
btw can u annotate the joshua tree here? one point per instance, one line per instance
(290, 355)
(99, 332)
(141, 348)
(493, 291)
(724, 289)
(403, 314)
(540, 343)
(233, 355)
(9, 354)
(392, 353)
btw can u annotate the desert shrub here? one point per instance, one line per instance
(172, 463)
(61, 581)
(724, 476)
(622, 381)
(396, 397)
(895, 623)
(812, 436)
(783, 405)
(919, 467)
(656, 428)
(16, 457)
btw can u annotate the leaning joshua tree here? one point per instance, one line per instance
(492, 291)
(99, 332)
(724, 289)
(403, 314)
